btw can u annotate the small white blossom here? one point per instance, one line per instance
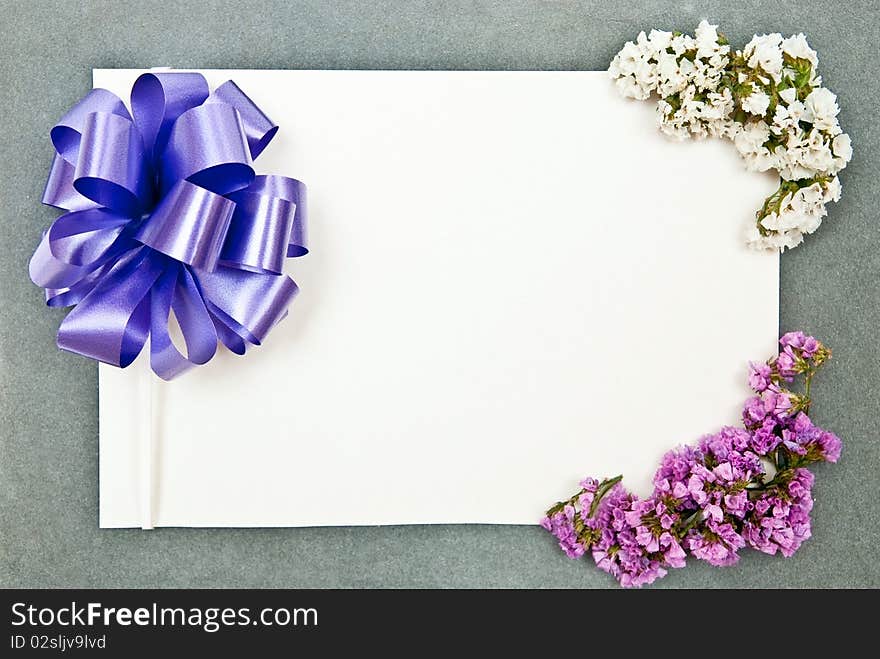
(706, 38)
(815, 153)
(787, 117)
(751, 137)
(765, 51)
(756, 103)
(776, 241)
(788, 95)
(796, 46)
(842, 147)
(821, 109)
(833, 190)
(630, 88)
(682, 43)
(660, 40)
(670, 77)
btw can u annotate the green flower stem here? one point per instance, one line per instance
(807, 382)
(604, 488)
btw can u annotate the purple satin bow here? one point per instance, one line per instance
(166, 214)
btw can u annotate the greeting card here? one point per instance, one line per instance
(511, 278)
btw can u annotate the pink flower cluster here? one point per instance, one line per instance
(738, 488)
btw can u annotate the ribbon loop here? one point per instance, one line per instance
(293, 191)
(76, 244)
(158, 99)
(71, 295)
(59, 190)
(67, 132)
(48, 271)
(83, 238)
(207, 146)
(259, 233)
(249, 303)
(176, 290)
(258, 128)
(228, 337)
(112, 322)
(111, 169)
(189, 225)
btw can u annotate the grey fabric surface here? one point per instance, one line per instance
(48, 399)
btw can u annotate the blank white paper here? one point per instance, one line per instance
(515, 281)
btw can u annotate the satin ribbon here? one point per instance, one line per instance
(165, 214)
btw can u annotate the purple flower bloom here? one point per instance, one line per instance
(712, 499)
(639, 571)
(801, 423)
(585, 500)
(737, 504)
(628, 548)
(793, 339)
(638, 509)
(673, 491)
(730, 451)
(810, 347)
(561, 525)
(606, 551)
(801, 437)
(792, 441)
(754, 411)
(676, 465)
(759, 376)
(725, 442)
(782, 523)
(807, 346)
(713, 512)
(829, 445)
(716, 543)
(674, 554)
(724, 472)
(817, 444)
(777, 403)
(786, 364)
(764, 438)
(695, 489)
(590, 484)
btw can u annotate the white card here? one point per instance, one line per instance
(515, 281)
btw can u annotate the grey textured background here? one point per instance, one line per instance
(48, 399)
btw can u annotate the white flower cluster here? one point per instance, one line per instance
(685, 72)
(766, 98)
